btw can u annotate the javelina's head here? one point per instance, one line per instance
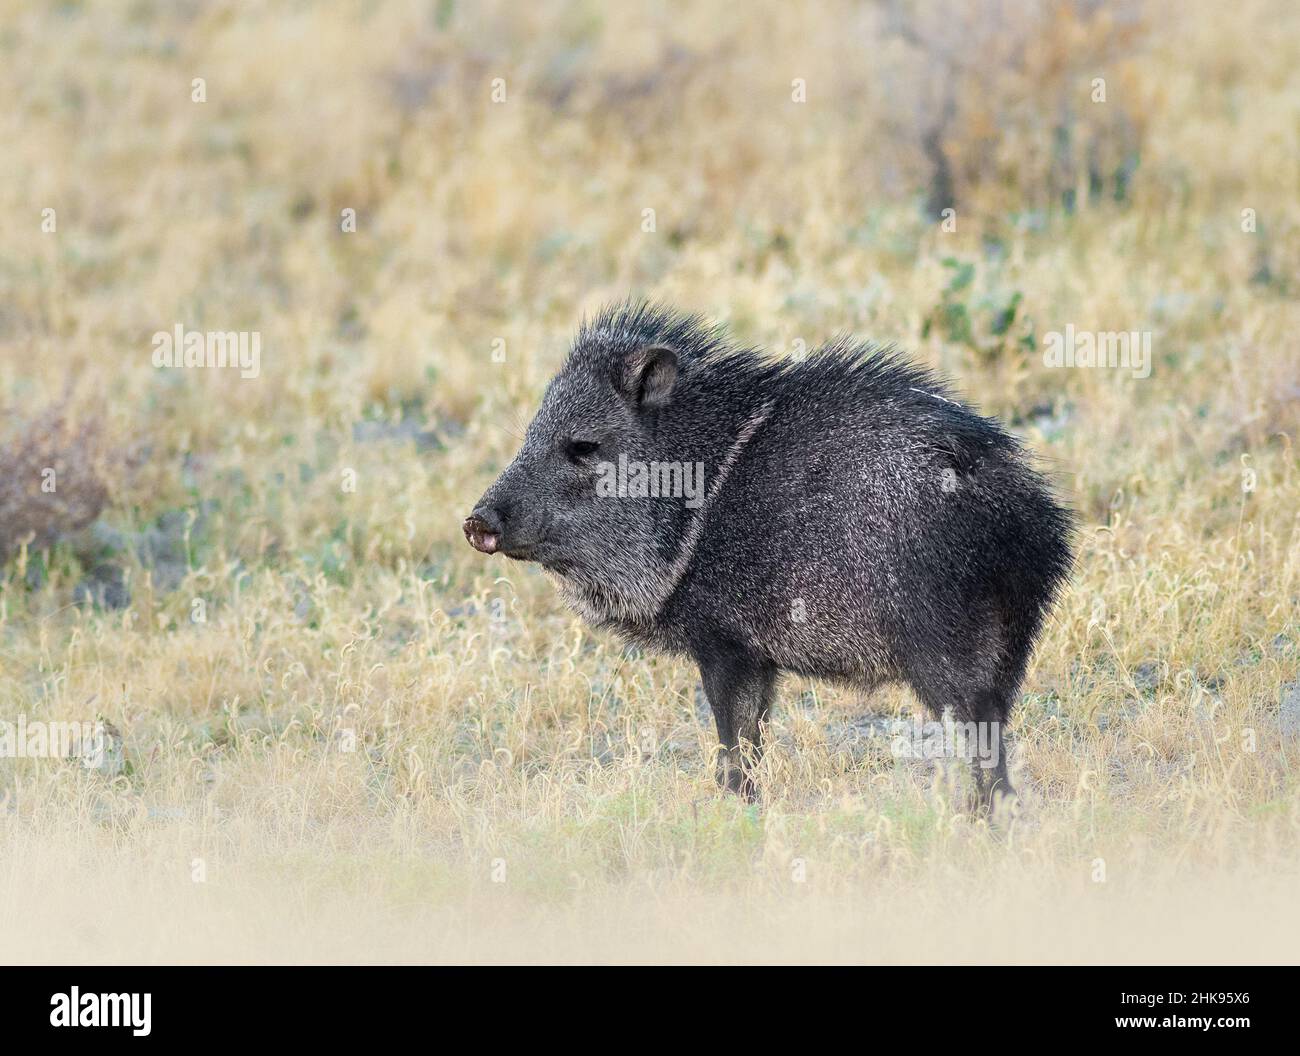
(563, 502)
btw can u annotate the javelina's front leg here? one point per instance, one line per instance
(739, 689)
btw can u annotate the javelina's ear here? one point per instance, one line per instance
(649, 375)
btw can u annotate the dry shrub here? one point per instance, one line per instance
(54, 473)
(1013, 111)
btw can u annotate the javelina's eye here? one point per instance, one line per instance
(580, 449)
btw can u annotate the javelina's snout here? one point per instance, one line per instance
(483, 530)
(508, 518)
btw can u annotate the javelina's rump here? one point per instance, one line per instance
(851, 521)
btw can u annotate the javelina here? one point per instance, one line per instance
(843, 517)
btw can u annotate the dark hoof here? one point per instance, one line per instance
(731, 778)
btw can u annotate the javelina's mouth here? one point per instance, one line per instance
(483, 538)
(480, 536)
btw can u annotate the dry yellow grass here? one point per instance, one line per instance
(375, 745)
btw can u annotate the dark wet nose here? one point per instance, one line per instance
(483, 530)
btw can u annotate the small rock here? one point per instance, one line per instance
(104, 588)
(1147, 675)
(105, 753)
(1288, 716)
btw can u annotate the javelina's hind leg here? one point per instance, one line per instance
(988, 764)
(740, 690)
(978, 723)
(993, 705)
